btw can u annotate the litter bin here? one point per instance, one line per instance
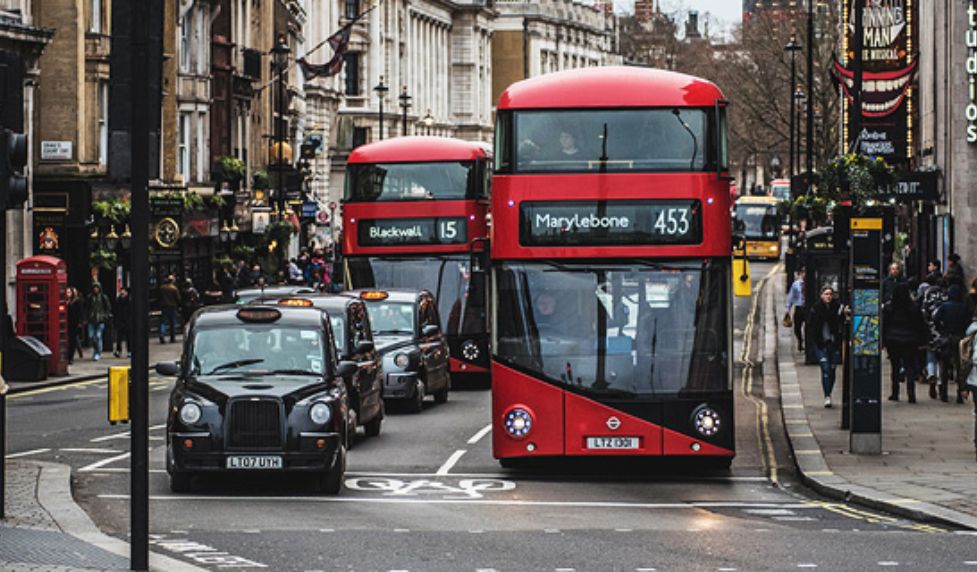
(26, 359)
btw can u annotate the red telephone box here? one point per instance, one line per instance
(42, 283)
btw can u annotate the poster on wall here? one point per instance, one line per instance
(889, 69)
(49, 230)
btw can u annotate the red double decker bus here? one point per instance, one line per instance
(611, 237)
(414, 213)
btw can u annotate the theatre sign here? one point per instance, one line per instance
(889, 69)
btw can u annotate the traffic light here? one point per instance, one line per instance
(13, 159)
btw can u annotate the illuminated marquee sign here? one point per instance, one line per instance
(970, 112)
(889, 68)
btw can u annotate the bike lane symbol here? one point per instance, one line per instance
(464, 489)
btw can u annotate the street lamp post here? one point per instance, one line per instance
(809, 142)
(799, 98)
(428, 121)
(404, 106)
(793, 47)
(280, 54)
(381, 90)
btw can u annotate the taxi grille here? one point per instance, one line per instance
(255, 425)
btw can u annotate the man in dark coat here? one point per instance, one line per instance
(952, 319)
(120, 315)
(903, 332)
(889, 283)
(170, 302)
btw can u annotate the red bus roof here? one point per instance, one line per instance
(615, 86)
(418, 149)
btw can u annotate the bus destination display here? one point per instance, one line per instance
(610, 223)
(412, 231)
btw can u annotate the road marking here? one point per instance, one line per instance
(551, 530)
(43, 390)
(769, 511)
(103, 462)
(124, 434)
(485, 502)
(481, 433)
(679, 479)
(27, 453)
(451, 462)
(464, 489)
(807, 565)
(888, 563)
(93, 450)
(401, 530)
(645, 570)
(202, 553)
(327, 530)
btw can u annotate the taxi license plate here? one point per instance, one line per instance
(254, 462)
(613, 442)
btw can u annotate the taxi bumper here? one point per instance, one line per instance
(316, 452)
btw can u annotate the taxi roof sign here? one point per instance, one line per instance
(260, 315)
(374, 295)
(296, 302)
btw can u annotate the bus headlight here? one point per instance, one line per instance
(706, 420)
(320, 413)
(402, 360)
(518, 422)
(190, 413)
(469, 350)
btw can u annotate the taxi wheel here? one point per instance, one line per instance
(180, 482)
(416, 405)
(373, 426)
(331, 482)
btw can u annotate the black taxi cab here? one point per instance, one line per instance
(407, 333)
(354, 343)
(260, 388)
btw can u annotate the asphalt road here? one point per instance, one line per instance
(427, 495)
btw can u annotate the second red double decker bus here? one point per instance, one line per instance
(611, 313)
(414, 213)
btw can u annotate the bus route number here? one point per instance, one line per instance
(672, 221)
(447, 230)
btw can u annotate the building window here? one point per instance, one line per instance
(103, 122)
(201, 147)
(185, 25)
(352, 9)
(360, 135)
(183, 147)
(95, 24)
(351, 63)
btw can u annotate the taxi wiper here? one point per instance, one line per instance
(389, 332)
(294, 372)
(234, 364)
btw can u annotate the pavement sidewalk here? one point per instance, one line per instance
(85, 369)
(46, 530)
(927, 470)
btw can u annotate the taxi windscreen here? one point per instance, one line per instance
(391, 318)
(257, 350)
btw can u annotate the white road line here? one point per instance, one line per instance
(888, 563)
(564, 478)
(27, 453)
(481, 433)
(103, 462)
(94, 450)
(807, 565)
(645, 570)
(124, 434)
(485, 502)
(451, 462)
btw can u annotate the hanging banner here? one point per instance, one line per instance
(889, 69)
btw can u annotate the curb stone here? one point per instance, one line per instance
(54, 495)
(809, 458)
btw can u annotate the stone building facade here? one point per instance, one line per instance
(947, 133)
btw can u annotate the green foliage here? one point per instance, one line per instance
(102, 258)
(243, 252)
(260, 179)
(214, 201)
(113, 210)
(231, 168)
(191, 201)
(857, 178)
(814, 208)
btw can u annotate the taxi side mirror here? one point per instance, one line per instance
(364, 346)
(430, 330)
(346, 368)
(168, 368)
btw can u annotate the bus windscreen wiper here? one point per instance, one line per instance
(695, 141)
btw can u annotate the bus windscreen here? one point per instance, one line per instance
(757, 221)
(629, 329)
(619, 140)
(377, 182)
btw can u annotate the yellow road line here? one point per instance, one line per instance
(64, 387)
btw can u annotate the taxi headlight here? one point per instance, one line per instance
(706, 421)
(469, 350)
(518, 422)
(320, 413)
(402, 360)
(190, 413)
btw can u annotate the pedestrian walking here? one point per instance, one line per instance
(825, 323)
(904, 331)
(98, 313)
(294, 272)
(76, 321)
(795, 312)
(170, 303)
(120, 317)
(190, 300)
(955, 272)
(952, 319)
(889, 283)
(935, 296)
(972, 374)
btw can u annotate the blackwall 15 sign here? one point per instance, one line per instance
(889, 68)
